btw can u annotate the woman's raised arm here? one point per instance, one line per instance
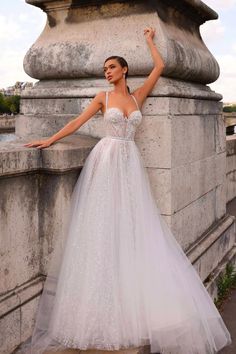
(142, 92)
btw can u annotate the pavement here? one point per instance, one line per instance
(228, 311)
(228, 314)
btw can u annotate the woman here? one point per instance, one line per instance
(122, 280)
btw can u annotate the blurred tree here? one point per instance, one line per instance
(230, 109)
(9, 104)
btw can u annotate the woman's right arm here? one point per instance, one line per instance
(95, 105)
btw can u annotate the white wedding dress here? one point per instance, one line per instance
(120, 279)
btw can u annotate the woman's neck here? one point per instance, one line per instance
(121, 88)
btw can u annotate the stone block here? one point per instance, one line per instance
(193, 138)
(218, 241)
(54, 194)
(220, 168)
(189, 223)
(220, 203)
(19, 241)
(181, 185)
(212, 282)
(231, 186)
(153, 138)
(51, 106)
(220, 135)
(230, 163)
(28, 312)
(160, 180)
(203, 176)
(10, 331)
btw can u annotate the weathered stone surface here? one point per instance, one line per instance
(189, 223)
(221, 200)
(220, 134)
(167, 87)
(231, 186)
(212, 282)
(66, 154)
(193, 138)
(153, 138)
(7, 124)
(10, 331)
(28, 311)
(230, 168)
(55, 207)
(17, 309)
(19, 231)
(218, 241)
(71, 47)
(160, 180)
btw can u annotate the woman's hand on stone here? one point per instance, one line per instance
(149, 33)
(39, 143)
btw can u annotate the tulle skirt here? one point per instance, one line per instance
(118, 278)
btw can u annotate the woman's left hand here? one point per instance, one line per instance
(149, 33)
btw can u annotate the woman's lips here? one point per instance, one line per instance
(109, 77)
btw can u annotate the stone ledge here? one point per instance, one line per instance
(19, 296)
(211, 282)
(67, 154)
(231, 145)
(90, 87)
(7, 123)
(203, 11)
(200, 253)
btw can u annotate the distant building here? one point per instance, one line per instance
(229, 104)
(17, 88)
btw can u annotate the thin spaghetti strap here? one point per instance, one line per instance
(136, 102)
(106, 99)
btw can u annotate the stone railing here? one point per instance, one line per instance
(230, 167)
(7, 123)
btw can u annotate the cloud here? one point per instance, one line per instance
(19, 29)
(10, 29)
(212, 31)
(226, 84)
(234, 47)
(11, 69)
(220, 4)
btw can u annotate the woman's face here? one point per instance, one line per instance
(113, 70)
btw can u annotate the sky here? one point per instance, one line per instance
(21, 24)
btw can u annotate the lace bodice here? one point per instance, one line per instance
(117, 125)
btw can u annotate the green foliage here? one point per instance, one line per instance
(9, 104)
(225, 283)
(229, 109)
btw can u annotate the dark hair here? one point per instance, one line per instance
(122, 62)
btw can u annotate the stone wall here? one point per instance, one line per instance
(7, 123)
(231, 167)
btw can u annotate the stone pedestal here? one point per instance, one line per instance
(181, 138)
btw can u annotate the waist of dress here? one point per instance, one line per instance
(119, 138)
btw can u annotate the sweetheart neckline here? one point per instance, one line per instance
(125, 117)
